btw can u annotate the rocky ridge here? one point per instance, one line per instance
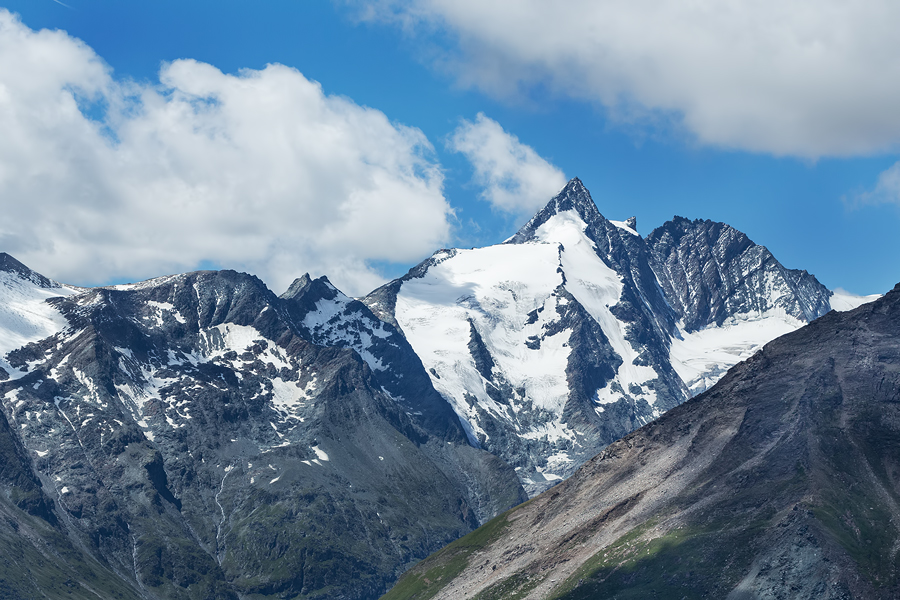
(197, 436)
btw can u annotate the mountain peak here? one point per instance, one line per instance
(300, 285)
(306, 286)
(9, 264)
(573, 197)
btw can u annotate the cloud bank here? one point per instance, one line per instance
(806, 78)
(515, 179)
(261, 171)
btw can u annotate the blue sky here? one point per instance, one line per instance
(739, 127)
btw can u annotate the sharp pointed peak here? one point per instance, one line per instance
(574, 196)
(298, 287)
(576, 185)
(302, 286)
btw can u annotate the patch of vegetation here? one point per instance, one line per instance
(178, 568)
(852, 509)
(283, 549)
(50, 567)
(427, 578)
(515, 587)
(687, 562)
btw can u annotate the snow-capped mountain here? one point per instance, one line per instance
(730, 296)
(779, 482)
(198, 436)
(577, 330)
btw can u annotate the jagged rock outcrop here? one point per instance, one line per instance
(712, 272)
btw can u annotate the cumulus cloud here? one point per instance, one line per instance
(515, 179)
(102, 178)
(886, 190)
(799, 77)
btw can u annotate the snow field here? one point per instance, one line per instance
(842, 300)
(701, 358)
(496, 288)
(597, 288)
(25, 316)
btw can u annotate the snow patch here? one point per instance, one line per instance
(624, 227)
(320, 454)
(165, 307)
(701, 358)
(25, 315)
(842, 300)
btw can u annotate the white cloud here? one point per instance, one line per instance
(886, 191)
(790, 77)
(260, 171)
(515, 179)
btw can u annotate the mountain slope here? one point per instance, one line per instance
(577, 330)
(730, 296)
(781, 481)
(194, 439)
(24, 316)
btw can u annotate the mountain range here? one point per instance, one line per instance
(186, 437)
(781, 481)
(198, 436)
(576, 330)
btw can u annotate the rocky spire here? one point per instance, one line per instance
(574, 196)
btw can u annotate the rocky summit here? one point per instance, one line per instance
(196, 436)
(577, 330)
(782, 481)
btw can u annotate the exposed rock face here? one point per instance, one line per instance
(782, 481)
(196, 436)
(577, 330)
(329, 318)
(711, 272)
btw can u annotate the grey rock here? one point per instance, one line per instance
(711, 271)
